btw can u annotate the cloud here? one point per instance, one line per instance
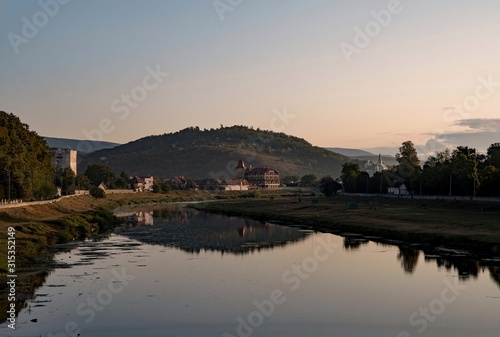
(481, 124)
(479, 133)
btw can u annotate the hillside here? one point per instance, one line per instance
(350, 152)
(214, 153)
(74, 144)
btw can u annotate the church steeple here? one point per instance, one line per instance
(380, 165)
(240, 169)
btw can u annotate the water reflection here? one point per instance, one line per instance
(193, 231)
(354, 244)
(495, 274)
(408, 256)
(26, 285)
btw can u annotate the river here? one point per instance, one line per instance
(181, 272)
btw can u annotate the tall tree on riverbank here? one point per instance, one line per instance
(26, 162)
(349, 176)
(409, 165)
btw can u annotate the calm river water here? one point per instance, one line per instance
(180, 272)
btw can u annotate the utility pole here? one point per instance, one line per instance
(450, 183)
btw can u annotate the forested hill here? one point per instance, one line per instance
(26, 168)
(214, 153)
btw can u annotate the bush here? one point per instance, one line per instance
(97, 193)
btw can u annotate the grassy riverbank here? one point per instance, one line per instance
(458, 224)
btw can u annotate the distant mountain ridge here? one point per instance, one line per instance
(214, 153)
(73, 144)
(363, 156)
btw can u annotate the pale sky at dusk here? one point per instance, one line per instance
(264, 58)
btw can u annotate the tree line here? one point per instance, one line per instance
(459, 172)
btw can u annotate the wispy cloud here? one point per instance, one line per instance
(476, 125)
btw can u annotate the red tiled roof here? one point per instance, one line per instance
(182, 179)
(136, 180)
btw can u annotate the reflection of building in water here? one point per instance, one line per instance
(193, 231)
(248, 228)
(137, 218)
(145, 218)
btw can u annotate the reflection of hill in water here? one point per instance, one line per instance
(193, 231)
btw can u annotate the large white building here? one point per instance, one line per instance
(65, 158)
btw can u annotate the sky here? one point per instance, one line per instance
(366, 74)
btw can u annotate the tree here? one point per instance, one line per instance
(465, 170)
(349, 175)
(409, 165)
(362, 182)
(493, 155)
(408, 153)
(328, 186)
(122, 181)
(98, 174)
(26, 162)
(82, 182)
(309, 180)
(97, 193)
(65, 179)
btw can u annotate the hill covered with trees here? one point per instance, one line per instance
(26, 162)
(214, 153)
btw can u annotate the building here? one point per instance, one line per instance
(136, 183)
(240, 170)
(371, 168)
(397, 189)
(64, 158)
(141, 184)
(179, 182)
(148, 183)
(234, 185)
(259, 177)
(263, 177)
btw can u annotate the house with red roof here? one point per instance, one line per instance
(262, 177)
